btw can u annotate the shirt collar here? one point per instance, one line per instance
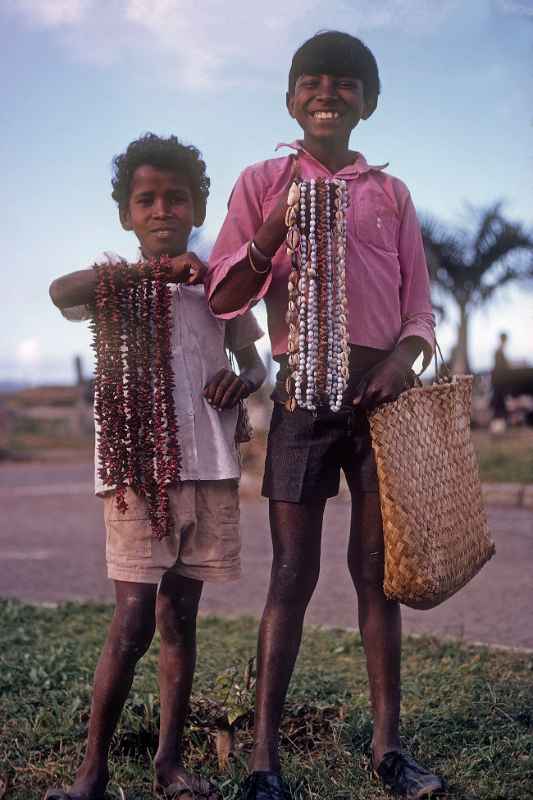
(358, 167)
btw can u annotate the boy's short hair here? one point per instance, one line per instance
(337, 53)
(168, 154)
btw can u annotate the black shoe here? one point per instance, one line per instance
(264, 786)
(404, 777)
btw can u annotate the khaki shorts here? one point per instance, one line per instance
(205, 543)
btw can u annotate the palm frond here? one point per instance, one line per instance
(444, 254)
(506, 239)
(472, 266)
(487, 218)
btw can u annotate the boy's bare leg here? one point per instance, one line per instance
(128, 639)
(379, 621)
(176, 612)
(296, 536)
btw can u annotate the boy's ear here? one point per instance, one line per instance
(199, 214)
(125, 218)
(289, 102)
(370, 107)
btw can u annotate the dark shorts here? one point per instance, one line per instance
(306, 451)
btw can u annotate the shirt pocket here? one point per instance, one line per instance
(376, 222)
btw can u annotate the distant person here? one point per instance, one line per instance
(161, 189)
(333, 85)
(499, 380)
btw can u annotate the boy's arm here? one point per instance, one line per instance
(75, 289)
(240, 264)
(418, 320)
(78, 288)
(251, 367)
(389, 378)
(226, 388)
(244, 281)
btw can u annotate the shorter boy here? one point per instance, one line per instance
(161, 189)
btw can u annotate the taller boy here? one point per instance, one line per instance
(333, 84)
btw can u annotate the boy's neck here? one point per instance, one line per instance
(147, 255)
(334, 155)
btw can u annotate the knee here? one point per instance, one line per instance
(176, 621)
(293, 582)
(132, 633)
(367, 571)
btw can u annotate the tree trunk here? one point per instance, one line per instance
(460, 363)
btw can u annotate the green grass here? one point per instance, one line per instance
(466, 711)
(507, 458)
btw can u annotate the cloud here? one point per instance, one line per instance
(28, 351)
(208, 43)
(412, 16)
(51, 13)
(520, 7)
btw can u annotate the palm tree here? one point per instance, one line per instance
(470, 266)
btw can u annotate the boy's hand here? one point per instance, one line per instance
(226, 389)
(277, 215)
(273, 231)
(384, 383)
(187, 269)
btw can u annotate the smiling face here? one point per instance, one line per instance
(160, 211)
(328, 107)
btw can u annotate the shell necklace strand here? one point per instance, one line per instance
(317, 308)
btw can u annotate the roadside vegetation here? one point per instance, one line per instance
(467, 711)
(507, 457)
(504, 458)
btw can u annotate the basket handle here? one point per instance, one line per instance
(444, 374)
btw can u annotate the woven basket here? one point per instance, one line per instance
(435, 528)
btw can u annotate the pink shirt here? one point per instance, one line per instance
(387, 279)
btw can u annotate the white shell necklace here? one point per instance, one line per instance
(317, 312)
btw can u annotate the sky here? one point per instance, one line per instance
(82, 78)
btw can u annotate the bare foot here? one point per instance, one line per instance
(89, 784)
(175, 781)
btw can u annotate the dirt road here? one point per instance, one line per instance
(51, 550)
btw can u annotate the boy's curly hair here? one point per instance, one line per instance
(337, 53)
(168, 154)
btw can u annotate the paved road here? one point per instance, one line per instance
(51, 550)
